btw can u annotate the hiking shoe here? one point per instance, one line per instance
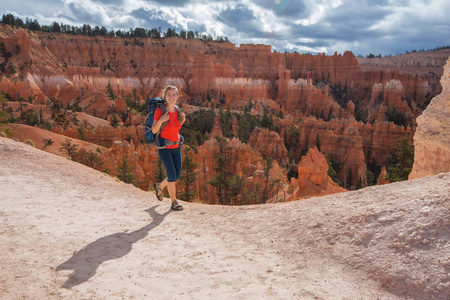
(176, 206)
(158, 191)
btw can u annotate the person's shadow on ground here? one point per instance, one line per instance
(85, 262)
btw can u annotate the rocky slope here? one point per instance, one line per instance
(70, 232)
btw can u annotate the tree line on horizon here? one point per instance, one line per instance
(371, 55)
(89, 30)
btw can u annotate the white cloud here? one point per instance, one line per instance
(174, 18)
(413, 15)
(94, 12)
(318, 10)
(206, 14)
(267, 18)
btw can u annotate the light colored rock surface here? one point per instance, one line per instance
(69, 232)
(432, 137)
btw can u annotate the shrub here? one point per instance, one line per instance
(48, 142)
(7, 133)
(4, 117)
(81, 134)
(30, 142)
(91, 159)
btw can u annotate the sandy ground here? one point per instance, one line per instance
(70, 232)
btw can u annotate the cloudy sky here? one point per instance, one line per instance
(361, 26)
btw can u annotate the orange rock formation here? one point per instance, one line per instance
(319, 95)
(312, 176)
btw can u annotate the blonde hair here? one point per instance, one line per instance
(167, 88)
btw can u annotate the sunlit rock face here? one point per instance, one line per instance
(313, 179)
(432, 137)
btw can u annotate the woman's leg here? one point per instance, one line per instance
(177, 162)
(171, 187)
(167, 161)
(163, 184)
(171, 159)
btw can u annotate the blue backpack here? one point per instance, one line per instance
(153, 138)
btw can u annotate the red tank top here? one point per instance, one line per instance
(171, 131)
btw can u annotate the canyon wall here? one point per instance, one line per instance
(49, 65)
(354, 110)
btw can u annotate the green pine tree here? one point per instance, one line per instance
(349, 179)
(110, 91)
(267, 121)
(93, 160)
(222, 179)
(291, 140)
(318, 143)
(115, 121)
(124, 172)
(400, 163)
(236, 185)
(226, 122)
(332, 172)
(81, 134)
(188, 177)
(268, 165)
(3, 100)
(69, 148)
(370, 177)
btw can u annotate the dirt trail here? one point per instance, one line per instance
(70, 232)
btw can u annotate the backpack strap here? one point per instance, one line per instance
(162, 106)
(178, 109)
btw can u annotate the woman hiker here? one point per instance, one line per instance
(171, 154)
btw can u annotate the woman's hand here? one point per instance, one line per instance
(164, 118)
(182, 118)
(157, 125)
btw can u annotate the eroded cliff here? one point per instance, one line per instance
(353, 112)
